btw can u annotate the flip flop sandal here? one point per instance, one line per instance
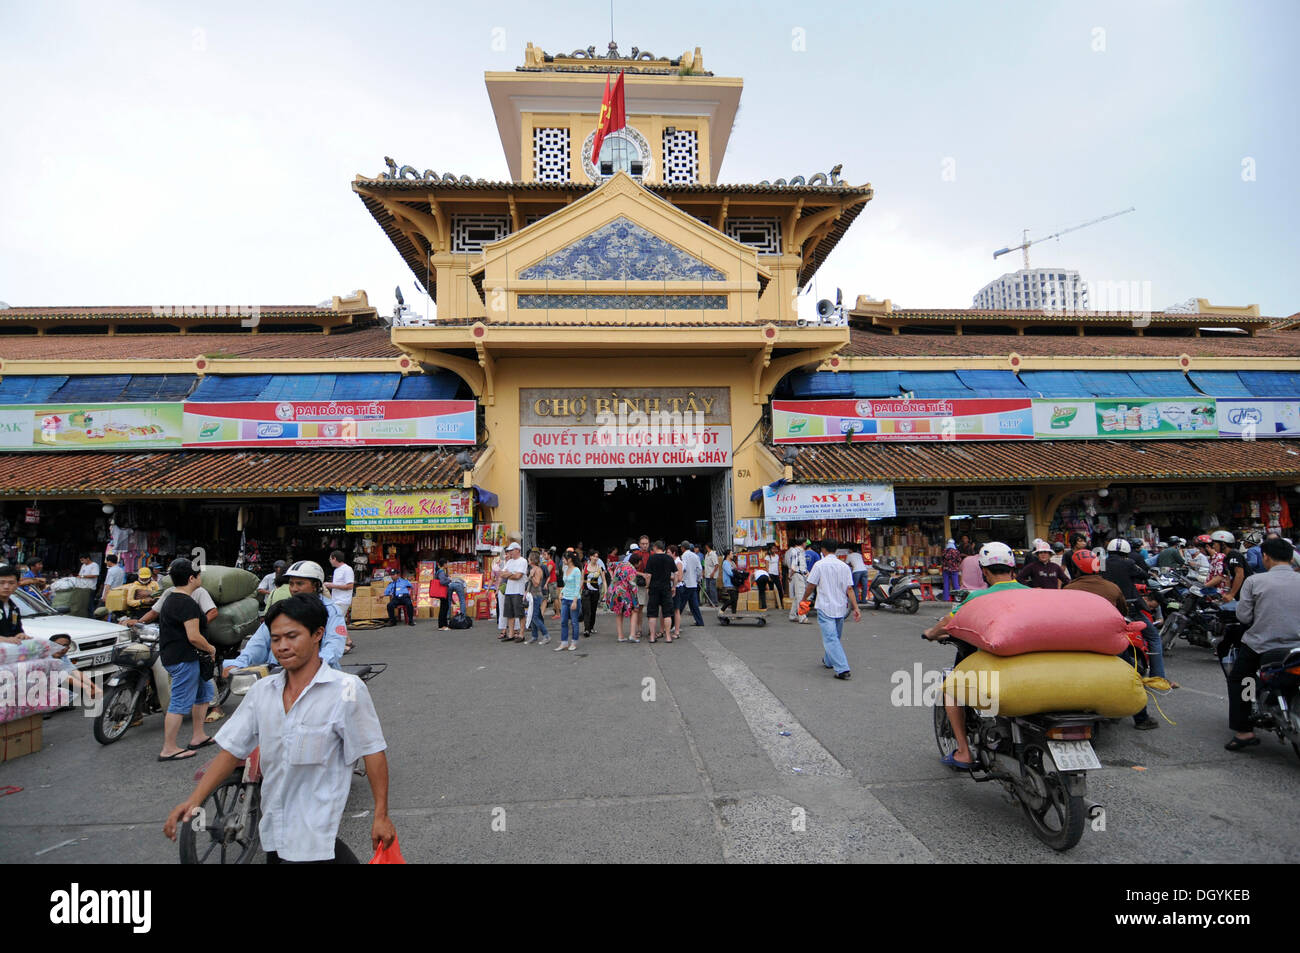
(178, 756)
(201, 744)
(213, 716)
(1236, 744)
(951, 761)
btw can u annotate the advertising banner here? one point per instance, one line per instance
(1259, 417)
(619, 448)
(1189, 497)
(489, 537)
(989, 502)
(433, 509)
(1055, 419)
(330, 423)
(831, 421)
(823, 501)
(135, 426)
(1147, 419)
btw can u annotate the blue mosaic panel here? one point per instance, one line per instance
(580, 302)
(622, 251)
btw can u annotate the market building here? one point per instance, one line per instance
(617, 350)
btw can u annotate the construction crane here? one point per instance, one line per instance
(1025, 242)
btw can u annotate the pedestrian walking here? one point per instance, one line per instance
(712, 564)
(622, 598)
(182, 645)
(831, 581)
(570, 602)
(692, 570)
(858, 566)
(593, 591)
(515, 574)
(660, 575)
(729, 593)
(537, 594)
(951, 570)
(796, 559)
(309, 723)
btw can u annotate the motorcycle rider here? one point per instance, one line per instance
(1235, 568)
(1198, 558)
(304, 577)
(998, 565)
(1077, 542)
(1089, 579)
(1270, 603)
(1172, 555)
(1040, 572)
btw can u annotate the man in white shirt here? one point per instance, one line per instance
(832, 581)
(858, 566)
(340, 589)
(515, 575)
(88, 574)
(267, 585)
(711, 566)
(794, 559)
(690, 588)
(310, 723)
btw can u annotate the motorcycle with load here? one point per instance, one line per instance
(141, 685)
(225, 830)
(891, 588)
(1042, 761)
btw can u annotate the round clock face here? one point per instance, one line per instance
(621, 148)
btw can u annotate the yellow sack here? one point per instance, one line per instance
(1048, 681)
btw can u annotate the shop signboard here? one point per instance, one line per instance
(432, 509)
(1259, 417)
(1191, 497)
(916, 502)
(489, 537)
(794, 502)
(990, 502)
(306, 516)
(136, 426)
(834, 421)
(1064, 418)
(374, 423)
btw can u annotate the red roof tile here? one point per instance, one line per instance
(226, 472)
(1269, 343)
(364, 343)
(977, 463)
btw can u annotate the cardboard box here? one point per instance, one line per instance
(19, 737)
(424, 612)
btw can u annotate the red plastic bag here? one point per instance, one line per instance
(391, 854)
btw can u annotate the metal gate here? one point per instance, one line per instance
(720, 497)
(528, 509)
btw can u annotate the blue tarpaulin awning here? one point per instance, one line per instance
(24, 389)
(1220, 383)
(331, 503)
(1164, 384)
(1271, 383)
(926, 384)
(486, 497)
(986, 383)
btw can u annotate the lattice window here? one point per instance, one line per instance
(551, 155)
(681, 156)
(763, 234)
(469, 233)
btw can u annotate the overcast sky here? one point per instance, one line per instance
(173, 153)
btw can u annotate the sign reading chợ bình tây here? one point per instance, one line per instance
(431, 509)
(795, 502)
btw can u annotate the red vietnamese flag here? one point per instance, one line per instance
(613, 115)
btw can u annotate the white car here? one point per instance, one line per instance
(92, 639)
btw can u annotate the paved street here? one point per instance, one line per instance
(563, 749)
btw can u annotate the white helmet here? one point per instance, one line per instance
(1223, 536)
(1042, 546)
(997, 554)
(306, 569)
(1118, 546)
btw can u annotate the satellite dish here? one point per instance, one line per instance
(825, 308)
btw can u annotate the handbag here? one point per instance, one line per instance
(207, 667)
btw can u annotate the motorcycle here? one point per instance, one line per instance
(1040, 760)
(226, 827)
(892, 589)
(141, 685)
(1193, 614)
(1276, 706)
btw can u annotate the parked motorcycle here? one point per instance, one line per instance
(1276, 707)
(226, 829)
(1040, 760)
(893, 589)
(141, 685)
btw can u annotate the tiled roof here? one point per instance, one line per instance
(364, 343)
(992, 315)
(1270, 343)
(815, 198)
(279, 312)
(1039, 461)
(226, 472)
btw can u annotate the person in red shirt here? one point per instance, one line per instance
(1040, 572)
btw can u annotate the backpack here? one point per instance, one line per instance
(461, 621)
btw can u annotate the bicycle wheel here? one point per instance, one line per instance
(215, 836)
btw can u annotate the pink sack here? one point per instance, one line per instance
(1018, 621)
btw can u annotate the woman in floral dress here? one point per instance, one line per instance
(622, 597)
